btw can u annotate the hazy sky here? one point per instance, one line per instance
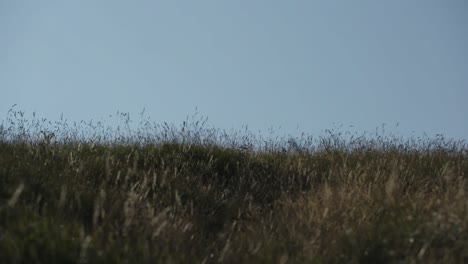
(261, 63)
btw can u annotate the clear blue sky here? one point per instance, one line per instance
(261, 63)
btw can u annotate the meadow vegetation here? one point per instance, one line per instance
(87, 193)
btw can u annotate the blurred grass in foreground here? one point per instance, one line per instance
(189, 194)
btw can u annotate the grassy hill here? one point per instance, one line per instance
(193, 195)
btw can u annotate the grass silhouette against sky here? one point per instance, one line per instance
(298, 65)
(195, 195)
(192, 189)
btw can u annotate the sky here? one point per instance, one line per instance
(294, 66)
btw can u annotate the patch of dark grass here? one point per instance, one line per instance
(188, 195)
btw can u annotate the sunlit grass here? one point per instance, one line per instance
(188, 194)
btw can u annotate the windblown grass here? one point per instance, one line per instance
(190, 194)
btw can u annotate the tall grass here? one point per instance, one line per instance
(90, 193)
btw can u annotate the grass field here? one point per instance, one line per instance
(191, 194)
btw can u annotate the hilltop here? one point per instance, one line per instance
(191, 195)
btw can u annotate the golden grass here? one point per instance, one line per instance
(171, 196)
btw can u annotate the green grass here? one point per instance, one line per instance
(163, 194)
